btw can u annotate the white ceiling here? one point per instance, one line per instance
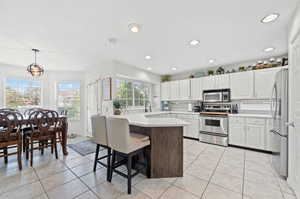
(73, 34)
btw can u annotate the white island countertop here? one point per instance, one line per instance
(140, 119)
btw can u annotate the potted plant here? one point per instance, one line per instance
(165, 78)
(242, 68)
(191, 76)
(210, 72)
(117, 106)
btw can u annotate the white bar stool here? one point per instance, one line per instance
(99, 132)
(125, 145)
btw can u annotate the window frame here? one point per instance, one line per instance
(80, 96)
(133, 107)
(23, 78)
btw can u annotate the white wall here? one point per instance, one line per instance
(49, 80)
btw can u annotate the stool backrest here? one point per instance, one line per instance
(99, 130)
(118, 134)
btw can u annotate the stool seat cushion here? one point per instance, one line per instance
(137, 142)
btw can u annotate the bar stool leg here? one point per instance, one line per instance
(96, 156)
(112, 165)
(129, 160)
(108, 163)
(5, 155)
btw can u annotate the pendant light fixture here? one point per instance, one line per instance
(34, 69)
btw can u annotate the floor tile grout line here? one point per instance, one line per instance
(83, 183)
(244, 171)
(39, 179)
(212, 174)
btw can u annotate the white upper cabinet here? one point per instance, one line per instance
(241, 85)
(264, 81)
(208, 82)
(222, 81)
(196, 89)
(184, 89)
(165, 91)
(216, 82)
(175, 89)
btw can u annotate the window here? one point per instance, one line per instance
(22, 93)
(132, 93)
(68, 98)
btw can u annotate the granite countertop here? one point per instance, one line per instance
(172, 112)
(250, 115)
(140, 119)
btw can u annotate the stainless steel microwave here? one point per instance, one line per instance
(222, 95)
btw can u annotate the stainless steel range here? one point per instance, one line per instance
(214, 123)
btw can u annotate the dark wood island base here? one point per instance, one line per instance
(166, 151)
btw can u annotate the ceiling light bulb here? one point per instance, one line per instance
(148, 57)
(194, 42)
(269, 49)
(149, 68)
(270, 18)
(134, 27)
(211, 61)
(174, 68)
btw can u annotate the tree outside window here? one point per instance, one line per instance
(132, 93)
(22, 94)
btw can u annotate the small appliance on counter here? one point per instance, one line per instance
(197, 109)
(165, 106)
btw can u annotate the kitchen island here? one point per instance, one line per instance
(165, 154)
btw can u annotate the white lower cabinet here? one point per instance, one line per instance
(250, 132)
(255, 136)
(237, 135)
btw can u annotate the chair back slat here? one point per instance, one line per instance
(43, 121)
(10, 124)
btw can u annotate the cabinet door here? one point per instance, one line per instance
(165, 91)
(264, 81)
(222, 81)
(241, 85)
(208, 82)
(255, 136)
(184, 89)
(237, 135)
(196, 89)
(174, 87)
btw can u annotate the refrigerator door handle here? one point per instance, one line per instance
(274, 101)
(291, 124)
(277, 133)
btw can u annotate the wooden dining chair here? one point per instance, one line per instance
(43, 126)
(10, 135)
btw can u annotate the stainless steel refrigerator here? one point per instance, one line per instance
(279, 132)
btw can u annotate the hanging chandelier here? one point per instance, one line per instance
(34, 69)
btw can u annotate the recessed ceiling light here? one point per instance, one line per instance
(148, 57)
(211, 61)
(174, 68)
(269, 49)
(149, 68)
(133, 27)
(194, 42)
(270, 18)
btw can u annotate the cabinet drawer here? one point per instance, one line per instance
(256, 121)
(236, 121)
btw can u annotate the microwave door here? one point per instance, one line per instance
(212, 97)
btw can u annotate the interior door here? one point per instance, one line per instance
(92, 105)
(294, 118)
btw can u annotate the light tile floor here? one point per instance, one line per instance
(210, 172)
